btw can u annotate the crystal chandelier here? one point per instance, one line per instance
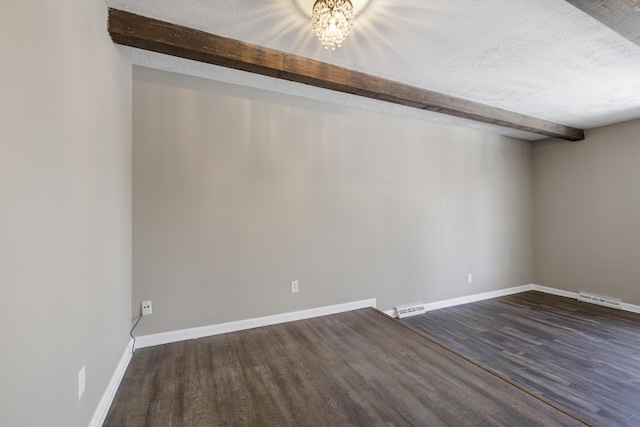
(332, 20)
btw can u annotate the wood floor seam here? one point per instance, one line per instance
(491, 371)
(580, 358)
(355, 368)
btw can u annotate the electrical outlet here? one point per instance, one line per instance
(81, 381)
(294, 286)
(469, 278)
(146, 308)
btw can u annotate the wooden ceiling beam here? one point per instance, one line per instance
(622, 16)
(158, 36)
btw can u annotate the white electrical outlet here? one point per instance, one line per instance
(81, 382)
(146, 308)
(469, 278)
(294, 286)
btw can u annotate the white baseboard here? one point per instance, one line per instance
(625, 307)
(503, 292)
(470, 298)
(102, 410)
(631, 307)
(223, 328)
(554, 291)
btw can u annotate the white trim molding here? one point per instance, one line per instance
(554, 291)
(630, 307)
(223, 328)
(100, 414)
(624, 307)
(470, 298)
(508, 291)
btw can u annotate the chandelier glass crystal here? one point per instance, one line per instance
(332, 20)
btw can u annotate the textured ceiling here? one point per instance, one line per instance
(542, 58)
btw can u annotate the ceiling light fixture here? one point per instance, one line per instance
(332, 20)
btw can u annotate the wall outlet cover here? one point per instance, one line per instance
(146, 308)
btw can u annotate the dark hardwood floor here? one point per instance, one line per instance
(584, 357)
(357, 368)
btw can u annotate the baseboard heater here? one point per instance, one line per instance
(409, 310)
(600, 300)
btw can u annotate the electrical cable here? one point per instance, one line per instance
(133, 344)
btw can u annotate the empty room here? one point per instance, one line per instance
(332, 212)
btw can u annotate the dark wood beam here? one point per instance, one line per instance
(622, 16)
(158, 36)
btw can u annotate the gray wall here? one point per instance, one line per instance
(238, 191)
(587, 212)
(65, 210)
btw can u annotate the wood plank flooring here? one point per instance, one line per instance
(357, 368)
(584, 357)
